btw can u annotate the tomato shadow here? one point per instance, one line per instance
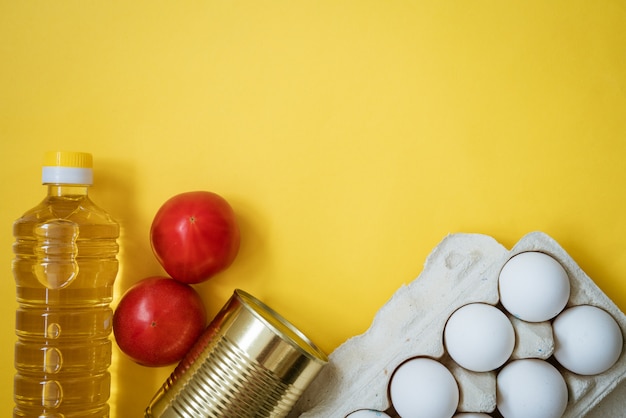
(247, 270)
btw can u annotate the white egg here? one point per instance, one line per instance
(479, 337)
(423, 387)
(533, 286)
(531, 388)
(471, 415)
(587, 340)
(367, 413)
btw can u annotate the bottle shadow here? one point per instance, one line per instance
(116, 189)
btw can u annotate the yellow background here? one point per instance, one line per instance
(349, 136)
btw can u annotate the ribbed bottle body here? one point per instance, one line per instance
(65, 266)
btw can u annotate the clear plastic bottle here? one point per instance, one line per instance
(64, 268)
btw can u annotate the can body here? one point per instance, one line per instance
(250, 362)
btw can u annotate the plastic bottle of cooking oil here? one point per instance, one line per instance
(64, 267)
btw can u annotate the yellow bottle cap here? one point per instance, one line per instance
(68, 159)
(63, 167)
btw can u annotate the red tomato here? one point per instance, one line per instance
(194, 236)
(158, 320)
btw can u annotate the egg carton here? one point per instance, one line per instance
(462, 269)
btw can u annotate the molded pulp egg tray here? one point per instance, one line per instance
(462, 269)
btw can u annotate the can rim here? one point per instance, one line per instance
(281, 326)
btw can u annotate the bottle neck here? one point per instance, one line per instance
(59, 190)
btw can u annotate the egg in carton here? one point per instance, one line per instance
(464, 271)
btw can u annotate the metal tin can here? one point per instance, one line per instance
(250, 362)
